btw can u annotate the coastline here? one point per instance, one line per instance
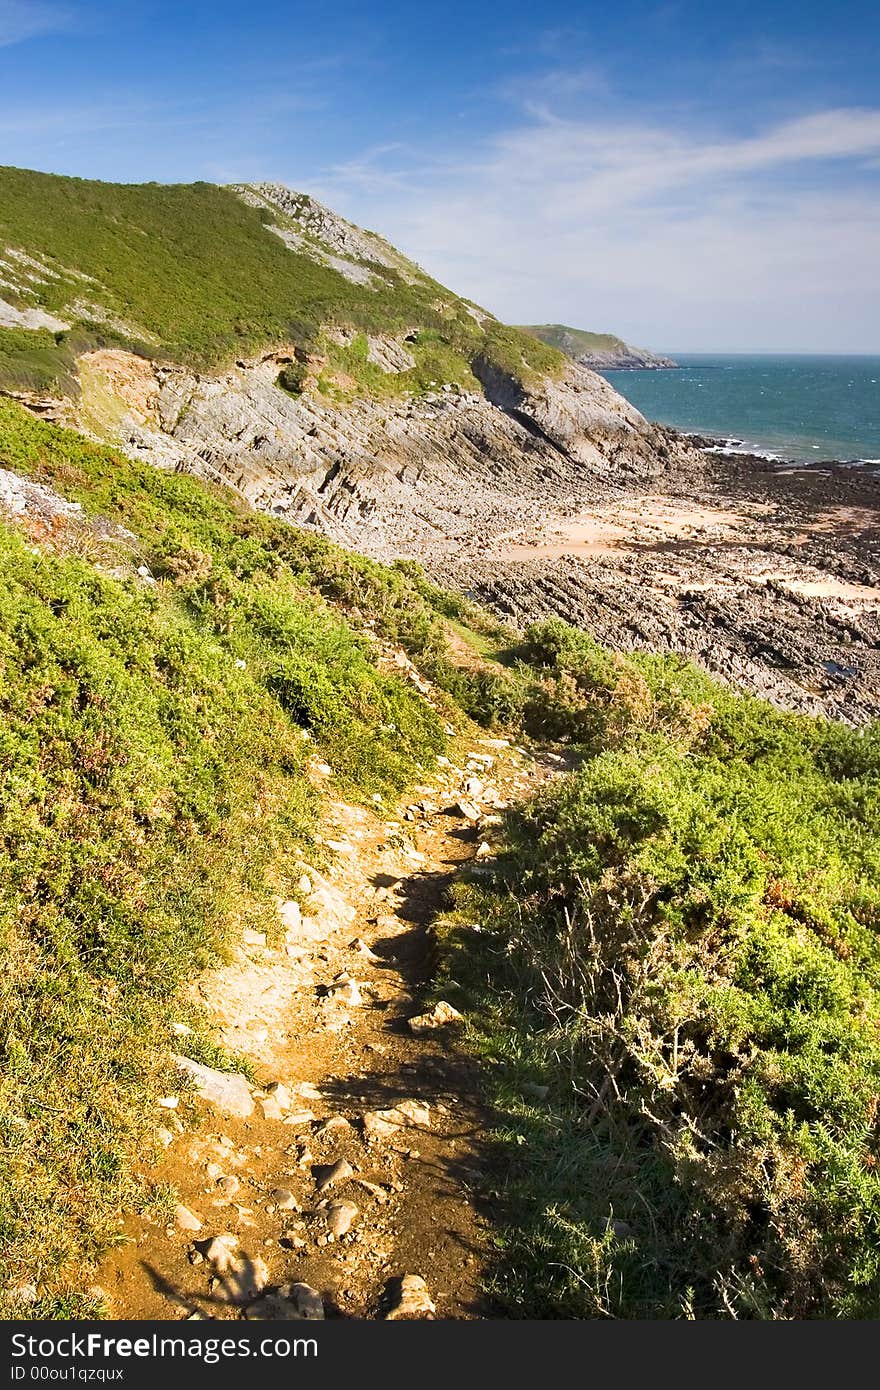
(764, 572)
(789, 407)
(733, 447)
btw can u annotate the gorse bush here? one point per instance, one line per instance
(218, 553)
(372, 727)
(692, 922)
(594, 697)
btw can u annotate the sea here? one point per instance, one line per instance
(804, 408)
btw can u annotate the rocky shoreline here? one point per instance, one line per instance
(767, 575)
(633, 360)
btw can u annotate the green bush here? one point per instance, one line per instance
(683, 946)
(593, 697)
(292, 377)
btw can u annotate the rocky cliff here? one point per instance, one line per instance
(408, 475)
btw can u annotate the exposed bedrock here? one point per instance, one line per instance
(407, 476)
(805, 653)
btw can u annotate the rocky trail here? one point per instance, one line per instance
(349, 1178)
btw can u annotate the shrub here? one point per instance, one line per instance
(292, 377)
(683, 946)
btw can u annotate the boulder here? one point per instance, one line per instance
(340, 1216)
(407, 1114)
(284, 1199)
(327, 1175)
(272, 1109)
(186, 1220)
(280, 1093)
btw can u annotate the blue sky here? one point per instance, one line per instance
(694, 176)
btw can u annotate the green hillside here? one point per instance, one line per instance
(193, 274)
(575, 342)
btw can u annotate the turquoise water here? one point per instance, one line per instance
(787, 407)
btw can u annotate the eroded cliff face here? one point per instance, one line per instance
(408, 475)
(634, 359)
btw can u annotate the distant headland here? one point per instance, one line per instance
(603, 352)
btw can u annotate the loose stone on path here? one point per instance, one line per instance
(229, 1091)
(409, 1298)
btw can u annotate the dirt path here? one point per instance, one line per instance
(323, 1017)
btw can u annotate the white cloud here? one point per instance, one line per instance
(25, 19)
(671, 238)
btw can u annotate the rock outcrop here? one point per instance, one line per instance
(307, 226)
(409, 475)
(633, 359)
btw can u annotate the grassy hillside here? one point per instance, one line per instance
(677, 988)
(193, 274)
(575, 341)
(155, 794)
